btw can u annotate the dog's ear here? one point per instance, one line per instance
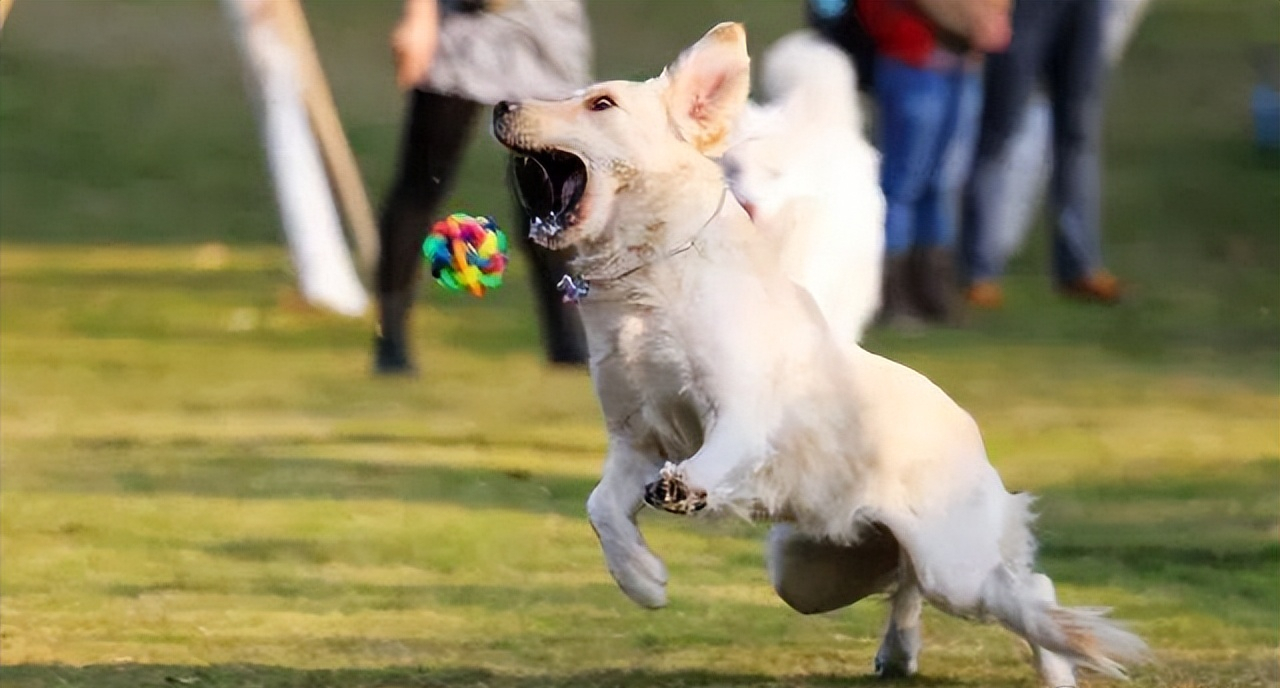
(707, 87)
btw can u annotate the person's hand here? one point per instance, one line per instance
(990, 32)
(413, 42)
(977, 26)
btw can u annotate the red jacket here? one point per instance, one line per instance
(899, 30)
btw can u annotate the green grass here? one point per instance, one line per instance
(201, 485)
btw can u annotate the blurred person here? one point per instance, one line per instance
(1061, 43)
(837, 21)
(1026, 175)
(456, 57)
(1265, 99)
(928, 88)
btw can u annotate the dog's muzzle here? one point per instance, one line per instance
(549, 184)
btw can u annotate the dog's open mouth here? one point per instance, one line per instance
(550, 185)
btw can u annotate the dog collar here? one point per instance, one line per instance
(575, 289)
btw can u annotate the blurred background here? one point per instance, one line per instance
(201, 482)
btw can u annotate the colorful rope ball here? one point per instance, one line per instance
(465, 252)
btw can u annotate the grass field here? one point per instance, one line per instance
(201, 485)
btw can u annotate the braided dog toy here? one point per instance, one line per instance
(465, 252)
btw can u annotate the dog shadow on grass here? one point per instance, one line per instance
(1204, 537)
(251, 477)
(358, 596)
(261, 676)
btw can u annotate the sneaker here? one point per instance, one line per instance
(1099, 287)
(985, 294)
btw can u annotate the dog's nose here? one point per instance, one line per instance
(504, 107)
(501, 112)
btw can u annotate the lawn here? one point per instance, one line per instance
(201, 484)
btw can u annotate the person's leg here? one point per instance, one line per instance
(436, 131)
(932, 257)
(1009, 80)
(1075, 85)
(911, 117)
(939, 204)
(1119, 20)
(563, 339)
(1025, 179)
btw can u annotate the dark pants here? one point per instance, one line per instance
(1058, 42)
(437, 131)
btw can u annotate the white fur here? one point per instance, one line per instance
(722, 387)
(801, 164)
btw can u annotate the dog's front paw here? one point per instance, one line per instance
(897, 656)
(643, 578)
(671, 493)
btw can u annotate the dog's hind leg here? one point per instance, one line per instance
(899, 651)
(1055, 670)
(814, 576)
(973, 558)
(612, 508)
(1059, 636)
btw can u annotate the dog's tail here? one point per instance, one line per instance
(1025, 603)
(807, 71)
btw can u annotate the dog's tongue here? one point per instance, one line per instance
(571, 190)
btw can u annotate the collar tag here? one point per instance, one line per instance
(573, 290)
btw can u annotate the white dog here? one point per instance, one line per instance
(723, 389)
(802, 168)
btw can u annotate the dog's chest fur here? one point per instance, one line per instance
(654, 396)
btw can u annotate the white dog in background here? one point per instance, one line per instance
(723, 389)
(803, 169)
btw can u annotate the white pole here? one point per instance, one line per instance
(326, 275)
(344, 172)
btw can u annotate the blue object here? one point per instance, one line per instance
(828, 9)
(1266, 117)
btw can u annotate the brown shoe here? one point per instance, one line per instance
(985, 294)
(1099, 287)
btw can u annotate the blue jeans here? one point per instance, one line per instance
(927, 124)
(1059, 43)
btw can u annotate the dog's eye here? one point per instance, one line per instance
(602, 103)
